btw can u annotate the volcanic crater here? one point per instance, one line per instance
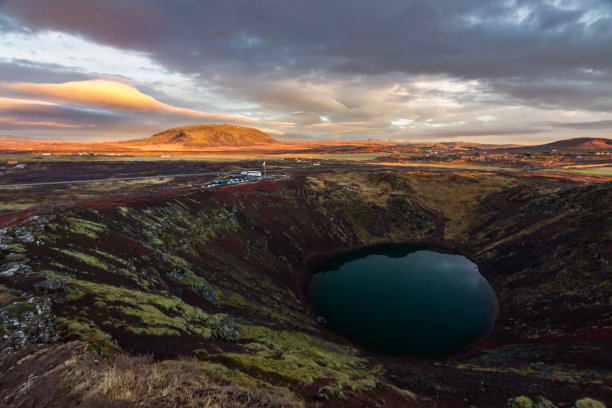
(219, 276)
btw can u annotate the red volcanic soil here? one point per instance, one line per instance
(14, 219)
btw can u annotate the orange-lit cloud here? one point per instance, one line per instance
(282, 124)
(339, 125)
(10, 103)
(109, 94)
(272, 131)
(16, 121)
(29, 113)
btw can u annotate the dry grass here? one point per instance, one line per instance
(140, 382)
(68, 376)
(456, 195)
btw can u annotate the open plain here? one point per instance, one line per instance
(160, 282)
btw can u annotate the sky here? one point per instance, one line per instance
(494, 71)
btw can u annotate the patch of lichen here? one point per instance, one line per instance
(18, 248)
(401, 391)
(178, 226)
(83, 257)
(541, 402)
(589, 403)
(247, 293)
(88, 332)
(83, 226)
(111, 257)
(97, 259)
(564, 373)
(20, 309)
(153, 331)
(7, 296)
(252, 294)
(301, 359)
(157, 314)
(269, 309)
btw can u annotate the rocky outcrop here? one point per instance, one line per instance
(26, 321)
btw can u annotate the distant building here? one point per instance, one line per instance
(251, 173)
(12, 163)
(20, 166)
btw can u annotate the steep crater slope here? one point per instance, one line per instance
(219, 276)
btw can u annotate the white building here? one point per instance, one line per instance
(251, 173)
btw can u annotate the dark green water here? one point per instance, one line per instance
(405, 299)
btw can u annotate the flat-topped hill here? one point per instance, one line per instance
(208, 136)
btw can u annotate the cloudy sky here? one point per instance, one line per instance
(500, 71)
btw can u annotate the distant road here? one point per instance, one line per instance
(211, 173)
(49, 183)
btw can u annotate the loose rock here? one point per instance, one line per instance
(227, 330)
(51, 285)
(321, 397)
(26, 322)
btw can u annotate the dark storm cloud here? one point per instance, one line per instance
(16, 70)
(600, 124)
(23, 112)
(541, 54)
(463, 38)
(568, 93)
(125, 24)
(451, 134)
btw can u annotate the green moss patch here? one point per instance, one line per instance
(301, 359)
(158, 314)
(85, 227)
(87, 259)
(86, 331)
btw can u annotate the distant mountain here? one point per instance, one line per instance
(438, 146)
(461, 145)
(207, 136)
(569, 145)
